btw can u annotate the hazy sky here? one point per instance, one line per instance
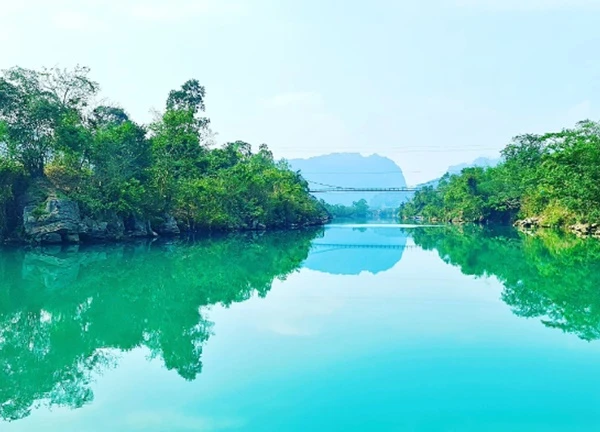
(428, 83)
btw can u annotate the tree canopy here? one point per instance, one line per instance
(55, 136)
(554, 176)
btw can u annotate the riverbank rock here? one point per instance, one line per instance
(105, 228)
(168, 227)
(532, 222)
(586, 229)
(53, 221)
(257, 226)
(138, 228)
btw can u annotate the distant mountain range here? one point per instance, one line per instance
(356, 170)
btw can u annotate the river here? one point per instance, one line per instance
(350, 328)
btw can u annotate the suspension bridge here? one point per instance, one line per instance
(327, 188)
(351, 189)
(362, 246)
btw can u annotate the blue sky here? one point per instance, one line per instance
(428, 83)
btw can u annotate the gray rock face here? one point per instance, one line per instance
(51, 238)
(54, 221)
(169, 227)
(256, 226)
(110, 227)
(584, 230)
(139, 228)
(531, 222)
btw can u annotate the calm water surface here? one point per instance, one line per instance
(357, 328)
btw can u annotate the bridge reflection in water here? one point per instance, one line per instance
(361, 246)
(351, 249)
(350, 189)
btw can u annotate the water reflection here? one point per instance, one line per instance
(64, 313)
(552, 277)
(350, 250)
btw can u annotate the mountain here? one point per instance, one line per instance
(479, 162)
(353, 170)
(457, 169)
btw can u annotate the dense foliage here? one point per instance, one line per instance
(55, 136)
(554, 176)
(552, 277)
(359, 209)
(64, 317)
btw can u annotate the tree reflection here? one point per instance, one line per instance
(551, 276)
(64, 314)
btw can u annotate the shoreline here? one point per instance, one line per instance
(528, 225)
(132, 238)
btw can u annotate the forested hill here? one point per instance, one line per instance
(72, 169)
(552, 179)
(354, 170)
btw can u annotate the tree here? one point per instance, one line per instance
(105, 115)
(554, 177)
(114, 167)
(33, 105)
(190, 97)
(361, 208)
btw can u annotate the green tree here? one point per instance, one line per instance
(552, 176)
(116, 168)
(34, 104)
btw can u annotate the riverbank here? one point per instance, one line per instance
(80, 172)
(528, 225)
(549, 180)
(59, 221)
(579, 229)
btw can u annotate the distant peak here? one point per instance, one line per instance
(343, 155)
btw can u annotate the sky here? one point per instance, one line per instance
(427, 83)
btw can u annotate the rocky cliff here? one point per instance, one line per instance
(58, 220)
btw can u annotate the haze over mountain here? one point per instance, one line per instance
(479, 162)
(354, 170)
(456, 169)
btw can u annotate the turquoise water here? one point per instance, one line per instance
(357, 328)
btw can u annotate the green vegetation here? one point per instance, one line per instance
(359, 209)
(554, 177)
(64, 317)
(55, 140)
(553, 277)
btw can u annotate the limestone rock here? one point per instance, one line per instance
(168, 227)
(138, 228)
(531, 222)
(50, 238)
(582, 229)
(105, 228)
(53, 221)
(257, 226)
